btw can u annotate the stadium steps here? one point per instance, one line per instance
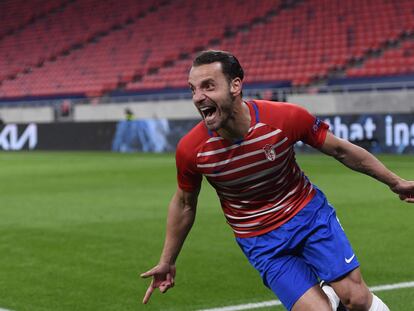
(303, 42)
(356, 63)
(93, 39)
(185, 56)
(32, 19)
(154, 75)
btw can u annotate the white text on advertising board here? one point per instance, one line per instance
(10, 140)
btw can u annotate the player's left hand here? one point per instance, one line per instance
(405, 190)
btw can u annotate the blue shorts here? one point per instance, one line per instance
(311, 246)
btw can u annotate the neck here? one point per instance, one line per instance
(238, 124)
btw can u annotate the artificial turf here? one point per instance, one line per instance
(77, 229)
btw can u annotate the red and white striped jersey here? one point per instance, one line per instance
(257, 179)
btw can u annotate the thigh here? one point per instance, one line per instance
(314, 299)
(327, 249)
(276, 256)
(289, 277)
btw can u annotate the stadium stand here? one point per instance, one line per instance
(92, 47)
(18, 14)
(398, 61)
(309, 41)
(36, 59)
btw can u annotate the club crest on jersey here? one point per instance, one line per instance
(269, 152)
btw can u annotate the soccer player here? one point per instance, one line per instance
(282, 222)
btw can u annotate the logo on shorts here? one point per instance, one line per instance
(270, 152)
(348, 260)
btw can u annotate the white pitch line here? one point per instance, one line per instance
(270, 303)
(380, 288)
(247, 306)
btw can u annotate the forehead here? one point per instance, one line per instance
(201, 73)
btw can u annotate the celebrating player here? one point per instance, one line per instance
(282, 222)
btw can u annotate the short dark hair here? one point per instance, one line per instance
(229, 63)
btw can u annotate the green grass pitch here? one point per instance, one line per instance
(76, 230)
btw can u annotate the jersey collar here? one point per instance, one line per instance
(254, 117)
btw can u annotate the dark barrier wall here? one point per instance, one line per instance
(377, 133)
(57, 136)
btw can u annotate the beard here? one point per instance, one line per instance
(223, 115)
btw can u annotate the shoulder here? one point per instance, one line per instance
(278, 112)
(281, 107)
(190, 143)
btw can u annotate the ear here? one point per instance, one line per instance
(236, 87)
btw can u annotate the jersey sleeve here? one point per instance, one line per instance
(188, 177)
(308, 128)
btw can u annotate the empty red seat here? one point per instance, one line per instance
(144, 48)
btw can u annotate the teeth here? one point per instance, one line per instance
(207, 111)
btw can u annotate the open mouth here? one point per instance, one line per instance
(208, 112)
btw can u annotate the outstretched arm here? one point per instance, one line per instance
(181, 215)
(362, 161)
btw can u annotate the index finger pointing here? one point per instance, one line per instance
(148, 294)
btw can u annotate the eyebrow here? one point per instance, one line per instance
(203, 82)
(207, 80)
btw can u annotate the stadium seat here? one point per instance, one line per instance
(94, 47)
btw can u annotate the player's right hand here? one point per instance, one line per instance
(162, 278)
(405, 190)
